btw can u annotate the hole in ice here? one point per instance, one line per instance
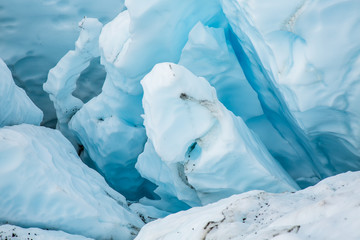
(193, 151)
(90, 81)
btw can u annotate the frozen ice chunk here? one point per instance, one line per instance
(16, 107)
(44, 184)
(324, 211)
(307, 81)
(200, 142)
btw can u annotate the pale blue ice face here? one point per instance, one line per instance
(194, 100)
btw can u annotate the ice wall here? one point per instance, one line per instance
(303, 62)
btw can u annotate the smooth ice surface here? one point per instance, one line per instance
(44, 184)
(18, 233)
(15, 106)
(35, 34)
(328, 210)
(205, 152)
(302, 57)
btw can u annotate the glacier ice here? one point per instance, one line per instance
(43, 183)
(110, 125)
(209, 54)
(205, 152)
(61, 82)
(324, 211)
(12, 232)
(178, 104)
(306, 77)
(16, 107)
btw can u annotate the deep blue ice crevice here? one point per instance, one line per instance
(259, 67)
(302, 75)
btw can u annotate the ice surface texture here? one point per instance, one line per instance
(44, 184)
(205, 152)
(17, 233)
(302, 58)
(15, 106)
(325, 211)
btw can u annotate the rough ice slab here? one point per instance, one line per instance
(328, 210)
(18, 233)
(44, 184)
(207, 153)
(35, 34)
(16, 107)
(303, 60)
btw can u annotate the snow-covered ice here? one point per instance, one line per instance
(12, 232)
(328, 210)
